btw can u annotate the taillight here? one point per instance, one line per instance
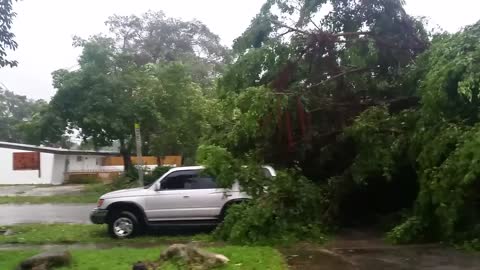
(100, 203)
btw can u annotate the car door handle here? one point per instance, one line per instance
(186, 197)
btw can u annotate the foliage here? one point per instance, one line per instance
(290, 210)
(288, 205)
(180, 107)
(319, 73)
(323, 69)
(154, 38)
(98, 98)
(16, 113)
(410, 231)
(7, 41)
(132, 77)
(151, 177)
(382, 142)
(109, 93)
(439, 141)
(236, 120)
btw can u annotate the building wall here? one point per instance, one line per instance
(173, 161)
(59, 167)
(84, 163)
(8, 176)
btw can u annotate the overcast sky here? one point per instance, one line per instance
(44, 29)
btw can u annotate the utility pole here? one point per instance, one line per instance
(138, 138)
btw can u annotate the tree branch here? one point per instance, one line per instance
(347, 34)
(334, 77)
(293, 29)
(316, 26)
(283, 34)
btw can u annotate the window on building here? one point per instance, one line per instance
(23, 161)
(79, 158)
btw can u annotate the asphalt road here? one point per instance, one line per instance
(11, 214)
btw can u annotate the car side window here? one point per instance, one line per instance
(177, 180)
(188, 180)
(201, 182)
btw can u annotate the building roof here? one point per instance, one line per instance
(52, 150)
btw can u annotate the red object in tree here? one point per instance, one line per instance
(301, 116)
(279, 121)
(288, 126)
(308, 125)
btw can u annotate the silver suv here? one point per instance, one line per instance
(182, 196)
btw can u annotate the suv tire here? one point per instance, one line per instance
(123, 225)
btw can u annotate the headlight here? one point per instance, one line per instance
(100, 203)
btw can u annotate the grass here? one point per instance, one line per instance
(91, 195)
(248, 258)
(78, 233)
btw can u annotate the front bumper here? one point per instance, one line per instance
(98, 216)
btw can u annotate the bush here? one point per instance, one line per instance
(412, 230)
(83, 179)
(290, 210)
(123, 182)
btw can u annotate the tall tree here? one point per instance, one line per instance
(155, 38)
(7, 41)
(330, 67)
(110, 92)
(102, 98)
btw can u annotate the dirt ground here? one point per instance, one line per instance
(362, 251)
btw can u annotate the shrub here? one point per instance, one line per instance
(291, 209)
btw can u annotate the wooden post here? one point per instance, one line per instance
(138, 138)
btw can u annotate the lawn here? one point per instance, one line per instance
(78, 233)
(122, 258)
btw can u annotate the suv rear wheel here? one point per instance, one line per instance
(123, 225)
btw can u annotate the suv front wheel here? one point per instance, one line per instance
(123, 225)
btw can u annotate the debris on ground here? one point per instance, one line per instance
(7, 232)
(46, 261)
(187, 255)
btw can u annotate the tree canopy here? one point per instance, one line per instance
(365, 114)
(7, 38)
(153, 71)
(15, 113)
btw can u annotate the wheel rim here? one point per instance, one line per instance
(123, 227)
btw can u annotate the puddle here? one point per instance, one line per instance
(372, 253)
(315, 259)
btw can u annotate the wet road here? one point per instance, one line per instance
(45, 213)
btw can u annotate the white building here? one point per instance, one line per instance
(28, 164)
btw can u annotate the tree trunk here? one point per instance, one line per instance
(127, 160)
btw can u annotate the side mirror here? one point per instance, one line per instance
(158, 186)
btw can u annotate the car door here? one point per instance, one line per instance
(185, 195)
(205, 197)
